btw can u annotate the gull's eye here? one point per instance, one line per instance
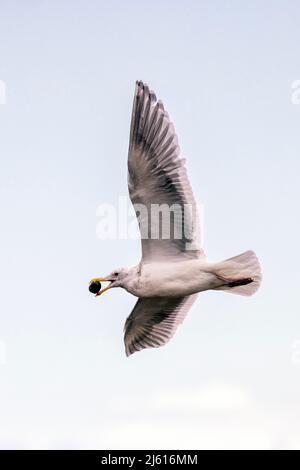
(95, 287)
(116, 274)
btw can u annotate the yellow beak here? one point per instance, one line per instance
(100, 279)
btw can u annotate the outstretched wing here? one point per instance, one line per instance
(153, 321)
(157, 176)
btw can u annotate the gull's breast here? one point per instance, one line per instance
(174, 279)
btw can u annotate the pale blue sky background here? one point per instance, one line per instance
(231, 376)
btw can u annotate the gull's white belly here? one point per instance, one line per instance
(174, 279)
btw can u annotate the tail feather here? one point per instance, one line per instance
(240, 274)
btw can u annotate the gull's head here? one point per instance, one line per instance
(115, 279)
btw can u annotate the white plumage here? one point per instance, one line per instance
(172, 270)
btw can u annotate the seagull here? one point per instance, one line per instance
(173, 269)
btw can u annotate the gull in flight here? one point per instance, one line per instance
(173, 268)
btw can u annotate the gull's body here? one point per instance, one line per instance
(165, 279)
(172, 269)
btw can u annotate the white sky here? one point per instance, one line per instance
(230, 378)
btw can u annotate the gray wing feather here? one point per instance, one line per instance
(153, 321)
(157, 175)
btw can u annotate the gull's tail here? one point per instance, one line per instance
(240, 274)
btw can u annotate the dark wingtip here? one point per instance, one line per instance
(240, 282)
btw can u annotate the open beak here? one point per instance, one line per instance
(101, 279)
